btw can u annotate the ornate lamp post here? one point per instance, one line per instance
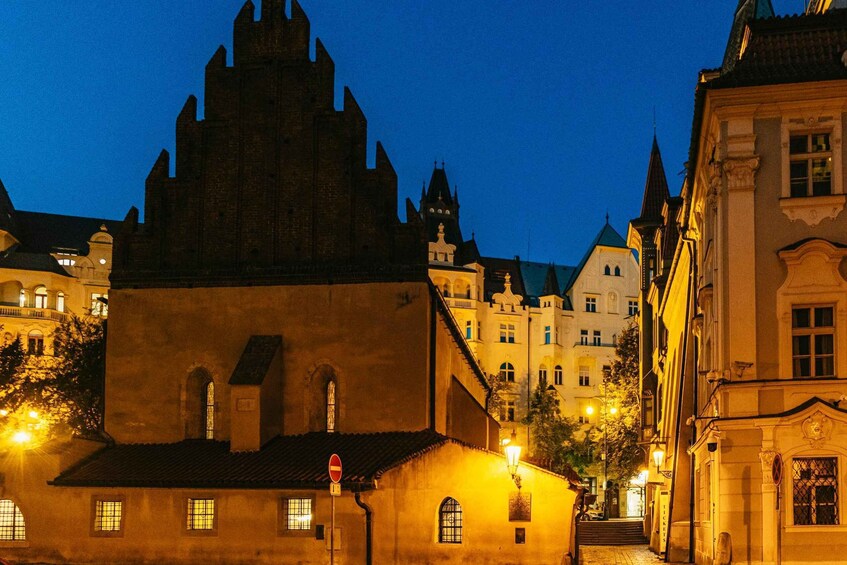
(513, 456)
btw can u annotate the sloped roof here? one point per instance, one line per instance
(535, 276)
(746, 11)
(790, 49)
(7, 212)
(495, 276)
(655, 188)
(21, 260)
(39, 232)
(255, 360)
(607, 237)
(439, 187)
(284, 462)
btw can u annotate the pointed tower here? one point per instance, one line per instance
(439, 210)
(746, 11)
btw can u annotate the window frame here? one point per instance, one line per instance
(35, 343)
(548, 335)
(16, 541)
(208, 392)
(813, 331)
(282, 515)
(186, 515)
(507, 370)
(632, 307)
(558, 375)
(507, 332)
(791, 492)
(591, 304)
(99, 499)
(596, 338)
(584, 377)
(456, 509)
(808, 157)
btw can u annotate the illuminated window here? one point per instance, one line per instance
(99, 307)
(584, 376)
(22, 299)
(590, 304)
(450, 521)
(200, 514)
(35, 343)
(815, 490)
(60, 302)
(548, 335)
(209, 410)
(507, 333)
(12, 527)
(813, 341)
(810, 164)
(557, 375)
(298, 513)
(108, 515)
(507, 372)
(330, 406)
(41, 297)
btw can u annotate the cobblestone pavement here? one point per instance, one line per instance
(617, 555)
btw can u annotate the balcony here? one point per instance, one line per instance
(459, 302)
(37, 313)
(592, 344)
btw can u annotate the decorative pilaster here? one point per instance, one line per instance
(741, 172)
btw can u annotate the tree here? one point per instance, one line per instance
(621, 394)
(65, 390)
(497, 384)
(556, 442)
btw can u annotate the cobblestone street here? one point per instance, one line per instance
(617, 555)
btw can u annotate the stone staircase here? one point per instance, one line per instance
(611, 532)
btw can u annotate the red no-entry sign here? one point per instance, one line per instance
(334, 468)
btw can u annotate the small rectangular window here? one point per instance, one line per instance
(597, 340)
(813, 341)
(479, 331)
(108, 516)
(810, 164)
(200, 514)
(507, 411)
(590, 304)
(815, 491)
(557, 375)
(633, 307)
(583, 337)
(298, 513)
(548, 336)
(468, 330)
(584, 376)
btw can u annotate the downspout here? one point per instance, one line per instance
(696, 408)
(368, 528)
(528, 374)
(433, 320)
(678, 422)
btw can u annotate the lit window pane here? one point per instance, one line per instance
(107, 516)
(298, 515)
(201, 514)
(12, 526)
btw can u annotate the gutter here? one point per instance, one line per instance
(368, 528)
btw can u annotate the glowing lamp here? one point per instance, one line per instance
(21, 437)
(613, 410)
(658, 457)
(589, 410)
(33, 414)
(513, 454)
(4, 412)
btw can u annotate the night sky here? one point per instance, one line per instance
(542, 110)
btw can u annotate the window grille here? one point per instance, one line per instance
(815, 490)
(12, 527)
(209, 410)
(450, 521)
(201, 514)
(108, 515)
(298, 513)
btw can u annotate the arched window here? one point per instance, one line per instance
(607, 270)
(450, 521)
(330, 406)
(445, 290)
(557, 375)
(12, 527)
(41, 297)
(60, 301)
(507, 372)
(209, 409)
(617, 271)
(35, 343)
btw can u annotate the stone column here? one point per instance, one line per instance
(770, 523)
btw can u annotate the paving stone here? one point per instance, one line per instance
(617, 555)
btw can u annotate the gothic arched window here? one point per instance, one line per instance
(12, 526)
(607, 270)
(617, 271)
(209, 409)
(330, 406)
(450, 521)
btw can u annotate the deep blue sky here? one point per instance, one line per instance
(542, 110)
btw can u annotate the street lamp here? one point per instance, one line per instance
(513, 456)
(659, 459)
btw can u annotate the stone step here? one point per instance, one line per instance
(611, 532)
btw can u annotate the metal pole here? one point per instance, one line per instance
(332, 534)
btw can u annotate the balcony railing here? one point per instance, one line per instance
(592, 344)
(459, 302)
(38, 313)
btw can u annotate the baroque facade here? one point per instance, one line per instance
(247, 343)
(527, 320)
(745, 306)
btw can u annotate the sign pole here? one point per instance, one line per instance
(332, 535)
(334, 490)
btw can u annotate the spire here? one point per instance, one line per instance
(656, 188)
(439, 188)
(746, 11)
(551, 282)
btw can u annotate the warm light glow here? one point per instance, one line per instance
(33, 414)
(658, 457)
(513, 454)
(589, 410)
(21, 437)
(304, 518)
(4, 412)
(613, 410)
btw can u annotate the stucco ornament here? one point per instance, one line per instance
(766, 457)
(741, 172)
(507, 297)
(817, 428)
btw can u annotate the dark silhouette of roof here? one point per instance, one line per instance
(745, 12)
(551, 282)
(7, 212)
(39, 232)
(22, 260)
(298, 461)
(655, 188)
(255, 360)
(439, 188)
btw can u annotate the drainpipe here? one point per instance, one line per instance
(692, 245)
(368, 528)
(433, 321)
(528, 373)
